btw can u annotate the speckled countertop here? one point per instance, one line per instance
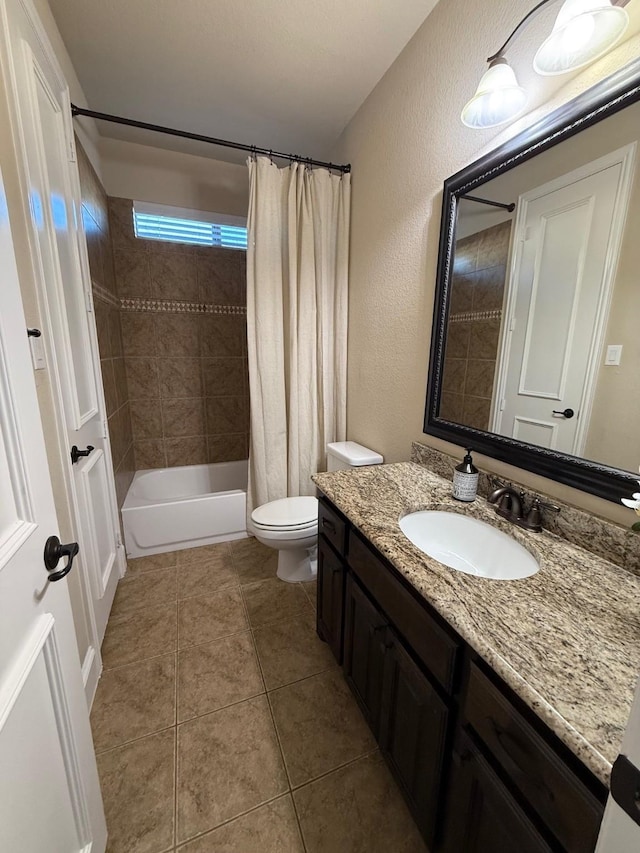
(566, 640)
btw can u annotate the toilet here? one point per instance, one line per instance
(290, 525)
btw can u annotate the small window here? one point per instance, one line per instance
(196, 228)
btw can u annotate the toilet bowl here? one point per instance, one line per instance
(290, 525)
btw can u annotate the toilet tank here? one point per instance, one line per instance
(350, 454)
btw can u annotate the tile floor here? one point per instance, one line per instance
(222, 723)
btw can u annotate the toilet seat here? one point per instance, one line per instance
(295, 514)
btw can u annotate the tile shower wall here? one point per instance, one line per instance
(108, 321)
(184, 339)
(477, 293)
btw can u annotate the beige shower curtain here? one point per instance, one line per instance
(297, 269)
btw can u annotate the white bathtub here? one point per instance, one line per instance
(168, 509)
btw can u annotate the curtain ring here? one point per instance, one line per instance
(271, 155)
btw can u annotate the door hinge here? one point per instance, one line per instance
(512, 324)
(503, 403)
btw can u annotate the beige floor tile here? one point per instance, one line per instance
(133, 701)
(144, 590)
(253, 560)
(140, 634)
(355, 809)
(269, 829)
(311, 588)
(320, 726)
(208, 617)
(139, 565)
(291, 650)
(137, 782)
(273, 600)
(216, 674)
(214, 573)
(228, 763)
(204, 552)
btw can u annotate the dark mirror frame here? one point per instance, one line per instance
(599, 102)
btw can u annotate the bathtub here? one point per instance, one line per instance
(168, 509)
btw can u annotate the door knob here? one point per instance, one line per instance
(54, 551)
(566, 413)
(76, 454)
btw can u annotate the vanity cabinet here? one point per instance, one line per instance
(478, 769)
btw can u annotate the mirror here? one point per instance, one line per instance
(535, 352)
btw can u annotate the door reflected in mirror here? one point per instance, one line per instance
(541, 341)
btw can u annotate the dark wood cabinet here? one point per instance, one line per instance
(482, 815)
(413, 734)
(330, 613)
(365, 638)
(509, 785)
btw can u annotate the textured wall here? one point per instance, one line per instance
(184, 340)
(403, 142)
(95, 219)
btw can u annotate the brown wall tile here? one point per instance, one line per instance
(191, 450)
(183, 417)
(138, 333)
(227, 448)
(177, 335)
(132, 273)
(146, 419)
(173, 276)
(180, 377)
(142, 378)
(174, 362)
(149, 453)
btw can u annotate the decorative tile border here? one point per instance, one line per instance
(177, 307)
(470, 316)
(105, 295)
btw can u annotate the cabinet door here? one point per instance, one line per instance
(413, 734)
(482, 815)
(331, 574)
(365, 634)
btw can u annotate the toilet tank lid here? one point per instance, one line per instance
(354, 454)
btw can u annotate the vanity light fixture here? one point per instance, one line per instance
(584, 30)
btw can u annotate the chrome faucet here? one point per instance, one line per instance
(510, 505)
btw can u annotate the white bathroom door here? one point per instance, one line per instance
(567, 239)
(43, 120)
(49, 790)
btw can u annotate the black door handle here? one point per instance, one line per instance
(567, 413)
(54, 551)
(76, 454)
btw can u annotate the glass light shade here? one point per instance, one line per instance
(498, 98)
(584, 30)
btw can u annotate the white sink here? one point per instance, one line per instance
(468, 545)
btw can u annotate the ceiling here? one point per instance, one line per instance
(281, 74)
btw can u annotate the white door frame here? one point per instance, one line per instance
(50, 301)
(625, 157)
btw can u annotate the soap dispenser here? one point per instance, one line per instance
(465, 479)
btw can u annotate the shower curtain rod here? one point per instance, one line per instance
(185, 134)
(510, 207)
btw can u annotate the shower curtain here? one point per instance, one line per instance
(297, 269)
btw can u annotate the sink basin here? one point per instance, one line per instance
(468, 545)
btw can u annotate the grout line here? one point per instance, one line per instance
(334, 770)
(135, 740)
(226, 822)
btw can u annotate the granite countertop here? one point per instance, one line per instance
(566, 640)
